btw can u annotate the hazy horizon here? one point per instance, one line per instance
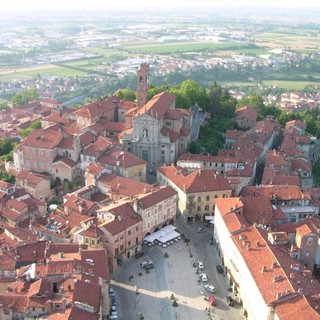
(20, 6)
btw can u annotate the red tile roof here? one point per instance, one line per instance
(67, 161)
(174, 136)
(92, 232)
(96, 108)
(275, 192)
(126, 159)
(44, 139)
(257, 210)
(66, 143)
(87, 293)
(205, 180)
(157, 106)
(98, 147)
(148, 200)
(125, 187)
(124, 218)
(247, 112)
(31, 178)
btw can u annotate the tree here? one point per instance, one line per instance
(35, 125)
(190, 90)
(25, 96)
(126, 94)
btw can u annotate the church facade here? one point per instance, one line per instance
(157, 131)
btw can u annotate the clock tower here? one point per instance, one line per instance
(142, 84)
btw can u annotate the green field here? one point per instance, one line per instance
(284, 40)
(290, 85)
(162, 48)
(52, 70)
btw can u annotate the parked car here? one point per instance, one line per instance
(200, 230)
(139, 255)
(203, 277)
(219, 268)
(149, 266)
(210, 288)
(144, 263)
(212, 300)
(111, 291)
(200, 265)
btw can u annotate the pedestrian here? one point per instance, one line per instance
(129, 278)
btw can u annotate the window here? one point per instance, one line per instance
(198, 208)
(199, 199)
(129, 232)
(129, 243)
(57, 171)
(137, 228)
(208, 198)
(163, 152)
(206, 208)
(137, 240)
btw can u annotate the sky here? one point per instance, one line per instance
(30, 5)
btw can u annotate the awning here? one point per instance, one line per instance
(209, 217)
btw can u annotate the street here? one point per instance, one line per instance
(148, 293)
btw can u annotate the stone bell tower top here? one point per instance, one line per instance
(142, 84)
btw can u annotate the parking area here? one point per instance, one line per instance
(151, 294)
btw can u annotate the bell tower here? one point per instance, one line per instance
(142, 84)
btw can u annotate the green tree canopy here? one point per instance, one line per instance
(126, 94)
(25, 96)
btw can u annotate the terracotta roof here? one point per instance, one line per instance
(66, 143)
(87, 293)
(299, 164)
(185, 132)
(257, 209)
(99, 266)
(205, 180)
(173, 114)
(296, 308)
(126, 159)
(246, 112)
(275, 192)
(123, 186)
(174, 136)
(31, 178)
(7, 261)
(14, 301)
(44, 139)
(112, 126)
(98, 147)
(148, 200)
(92, 232)
(41, 287)
(67, 161)
(6, 185)
(76, 314)
(233, 134)
(124, 218)
(228, 205)
(95, 108)
(157, 106)
(126, 104)
(94, 168)
(74, 202)
(87, 138)
(50, 100)
(32, 251)
(56, 118)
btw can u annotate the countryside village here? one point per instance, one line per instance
(58, 259)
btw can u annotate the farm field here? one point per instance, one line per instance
(284, 40)
(167, 48)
